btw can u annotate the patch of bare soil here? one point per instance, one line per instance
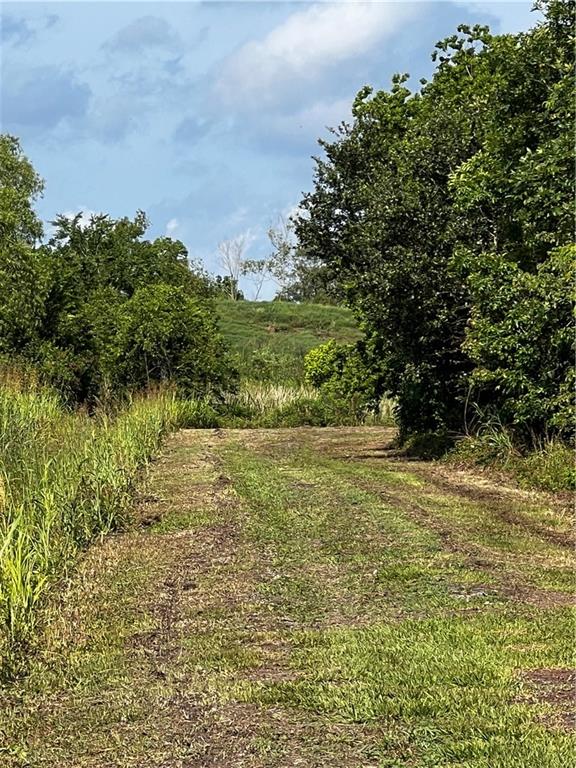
(557, 688)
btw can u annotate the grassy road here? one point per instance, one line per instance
(303, 598)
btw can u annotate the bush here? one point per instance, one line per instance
(325, 362)
(427, 445)
(165, 334)
(550, 468)
(258, 404)
(345, 377)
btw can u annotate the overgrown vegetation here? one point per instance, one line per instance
(98, 310)
(446, 215)
(265, 405)
(550, 465)
(65, 478)
(261, 404)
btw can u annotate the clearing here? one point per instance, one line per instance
(272, 337)
(303, 597)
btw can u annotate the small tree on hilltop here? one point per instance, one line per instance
(232, 260)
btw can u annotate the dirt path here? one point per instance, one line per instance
(302, 598)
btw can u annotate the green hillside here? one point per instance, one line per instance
(270, 338)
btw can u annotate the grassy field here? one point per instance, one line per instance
(306, 598)
(271, 338)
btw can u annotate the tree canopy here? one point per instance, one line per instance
(434, 202)
(99, 309)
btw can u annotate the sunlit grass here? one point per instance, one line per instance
(264, 404)
(65, 477)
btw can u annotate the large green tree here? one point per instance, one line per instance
(422, 189)
(23, 278)
(100, 308)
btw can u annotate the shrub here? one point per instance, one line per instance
(197, 414)
(345, 377)
(165, 334)
(427, 445)
(325, 362)
(549, 466)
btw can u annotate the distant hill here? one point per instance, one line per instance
(271, 338)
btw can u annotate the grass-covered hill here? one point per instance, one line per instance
(271, 338)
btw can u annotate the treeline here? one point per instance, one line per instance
(445, 215)
(98, 310)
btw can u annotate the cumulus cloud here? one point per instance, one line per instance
(18, 31)
(143, 33)
(45, 98)
(304, 47)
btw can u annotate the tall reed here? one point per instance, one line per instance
(65, 477)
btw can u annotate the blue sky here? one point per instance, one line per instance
(203, 114)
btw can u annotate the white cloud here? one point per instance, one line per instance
(171, 227)
(304, 46)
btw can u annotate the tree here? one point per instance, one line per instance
(94, 269)
(232, 260)
(220, 285)
(256, 271)
(282, 261)
(167, 335)
(379, 219)
(99, 308)
(426, 192)
(23, 277)
(298, 275)
(20, 186)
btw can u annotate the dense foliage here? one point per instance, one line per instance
(344, 373)
(98, 309)
(446, 216)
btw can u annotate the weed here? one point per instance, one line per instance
(549, 466)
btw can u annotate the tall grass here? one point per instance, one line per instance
(262, 398)
(261, 404)
(65, 478)
(546, 464)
